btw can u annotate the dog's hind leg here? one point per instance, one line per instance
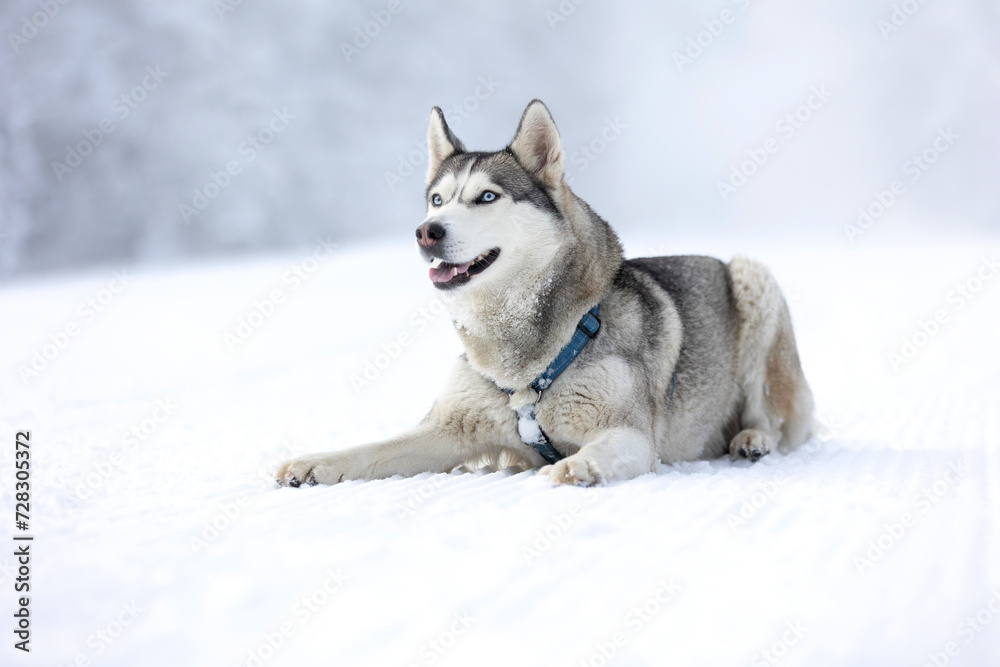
(777, 403)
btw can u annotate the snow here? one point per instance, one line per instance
(528, 427)
(707, 562)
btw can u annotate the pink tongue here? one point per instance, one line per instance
(446, 272)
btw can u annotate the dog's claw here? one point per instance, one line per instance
(312, 470)
(749, 444)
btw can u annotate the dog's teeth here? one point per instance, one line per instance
(436, 262)
(454, 272)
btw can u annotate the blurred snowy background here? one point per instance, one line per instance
(114, 115)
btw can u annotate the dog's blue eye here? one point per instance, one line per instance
(436, 200)
(487, 197)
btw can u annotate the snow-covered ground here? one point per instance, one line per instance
(160, 539)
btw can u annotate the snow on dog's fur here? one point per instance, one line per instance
(525, 259)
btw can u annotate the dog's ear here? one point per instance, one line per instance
(537, 146)
(441, 143)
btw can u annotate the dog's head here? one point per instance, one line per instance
(491, 216)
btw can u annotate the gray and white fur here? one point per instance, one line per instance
(524, 259)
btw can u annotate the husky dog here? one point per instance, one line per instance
(687, 357)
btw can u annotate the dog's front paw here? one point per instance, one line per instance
(309, 470)
(576, 470)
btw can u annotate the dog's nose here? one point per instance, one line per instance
(429, 233)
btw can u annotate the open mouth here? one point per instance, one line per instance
(445, 274)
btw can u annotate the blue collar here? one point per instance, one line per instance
(527, 423)
(585, 332)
